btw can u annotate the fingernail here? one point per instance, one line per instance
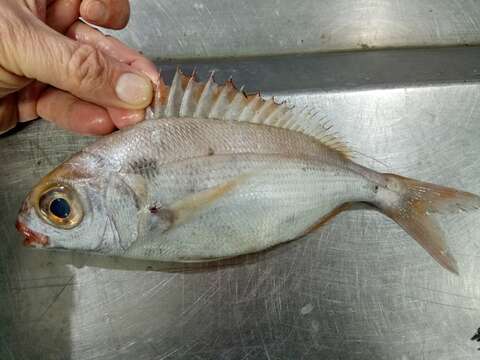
(96, 10)
(134, 89)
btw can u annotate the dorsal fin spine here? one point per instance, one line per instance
(175, 96)
(187, 106)
(187, 97)
(263, 111)
(221, 102)
(276, 114)
(204, 102)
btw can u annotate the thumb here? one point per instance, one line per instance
(43, 54)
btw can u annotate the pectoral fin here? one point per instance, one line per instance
(188, 207)
(163, 219)
(138, 185)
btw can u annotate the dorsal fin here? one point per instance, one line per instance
(186, 97)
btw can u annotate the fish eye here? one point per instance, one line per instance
(59, 206)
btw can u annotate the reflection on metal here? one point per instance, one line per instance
(213, 28)
(358, 289)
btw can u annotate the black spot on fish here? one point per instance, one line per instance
(375, 189)
(210, 151)
(290, 220)
(476, 337)
(145, 167)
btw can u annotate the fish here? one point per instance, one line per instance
(214, 173)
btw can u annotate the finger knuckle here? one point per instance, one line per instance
(15, 34)
(86, 66)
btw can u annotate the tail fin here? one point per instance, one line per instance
(409, 203)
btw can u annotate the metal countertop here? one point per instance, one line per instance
(360, 288)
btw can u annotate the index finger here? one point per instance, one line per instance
(114, 48)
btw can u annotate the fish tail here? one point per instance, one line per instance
(409, 203)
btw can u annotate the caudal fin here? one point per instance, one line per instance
(409, 202)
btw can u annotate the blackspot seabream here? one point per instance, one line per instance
(213, 173)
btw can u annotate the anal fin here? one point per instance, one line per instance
(325, 219)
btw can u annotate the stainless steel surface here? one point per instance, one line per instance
(358, 289)
(212, 28)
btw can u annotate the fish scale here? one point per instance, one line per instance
(215, 173)
(294, 191)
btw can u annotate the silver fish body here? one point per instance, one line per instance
(279, 188)
(214, 174)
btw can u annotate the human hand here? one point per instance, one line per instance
(55, 66)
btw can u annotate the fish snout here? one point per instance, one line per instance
(32, 238)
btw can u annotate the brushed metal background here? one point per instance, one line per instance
(358, 289)
(213, 28)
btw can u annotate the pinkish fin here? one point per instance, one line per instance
(186, 208)
(325, 219)
(156, 109)
(186, 97)
(409, 202)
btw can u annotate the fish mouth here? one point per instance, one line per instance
(32, 238)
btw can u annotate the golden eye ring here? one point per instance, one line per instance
(59, 206)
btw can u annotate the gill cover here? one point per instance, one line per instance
(123, 201)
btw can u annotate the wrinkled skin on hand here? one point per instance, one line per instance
(54, 65)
